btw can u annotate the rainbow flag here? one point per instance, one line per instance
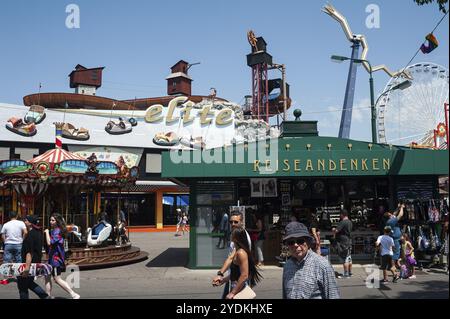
(432, 44)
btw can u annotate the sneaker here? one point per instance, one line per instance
(384, 281)
(412, 277)
(350, 274)
(396, 278)
(76, 296)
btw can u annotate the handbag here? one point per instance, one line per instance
(424, 243)
(246, 293)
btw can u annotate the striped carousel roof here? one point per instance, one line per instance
(56, 156)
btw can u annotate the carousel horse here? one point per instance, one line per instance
(121, 234)
(74, 233)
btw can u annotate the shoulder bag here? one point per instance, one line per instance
(246, 293)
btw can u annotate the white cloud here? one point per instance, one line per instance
(361, 111)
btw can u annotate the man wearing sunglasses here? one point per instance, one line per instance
(306, 275)
(236, 220)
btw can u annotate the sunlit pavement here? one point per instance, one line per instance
(164, 276)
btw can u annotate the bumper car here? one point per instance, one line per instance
(121, 127)
(36, 114)
(166, 139)
(71, 132)
(132, 121)
(17, 126)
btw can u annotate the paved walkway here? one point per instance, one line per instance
(164, 276)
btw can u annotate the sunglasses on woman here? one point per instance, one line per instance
(298, 241)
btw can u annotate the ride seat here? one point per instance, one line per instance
(98, 234)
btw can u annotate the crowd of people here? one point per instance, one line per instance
(306, 273)
(23, 243)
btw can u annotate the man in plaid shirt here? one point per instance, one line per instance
(306, 275)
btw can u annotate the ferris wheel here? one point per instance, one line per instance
(413, 114)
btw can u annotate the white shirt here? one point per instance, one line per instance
(386, 242)
(13, 231)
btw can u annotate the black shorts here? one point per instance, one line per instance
(56, 271)
(386, 262)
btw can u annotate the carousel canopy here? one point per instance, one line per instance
(56, 156)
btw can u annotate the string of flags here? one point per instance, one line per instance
(430, 44)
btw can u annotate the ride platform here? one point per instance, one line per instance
(101, 257)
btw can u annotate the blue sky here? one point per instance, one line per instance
(138, 41)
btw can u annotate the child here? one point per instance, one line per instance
(404, 273)
(409, 259)
(387, 243)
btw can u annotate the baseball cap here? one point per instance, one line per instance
(32, 219)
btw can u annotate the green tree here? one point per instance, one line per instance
(441, 3)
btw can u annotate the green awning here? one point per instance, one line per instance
(305, 157)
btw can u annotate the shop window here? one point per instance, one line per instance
(170, 204)
(215, 193)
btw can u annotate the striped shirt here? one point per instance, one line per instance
(311, 278)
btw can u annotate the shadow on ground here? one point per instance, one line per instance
(171, 257)
(432, 289)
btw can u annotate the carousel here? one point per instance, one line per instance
(66, 183)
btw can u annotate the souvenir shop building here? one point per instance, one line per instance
(304, 175)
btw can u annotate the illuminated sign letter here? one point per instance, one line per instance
(320, 163)
(224, 117)
(386, 164)
(375, 164)
(354, 164)
(341, 164)
(364, 165)
(152, 113)
(186, 117)
(256, 166)
(296, 164)
(204, 114)
(331, 165)
(172, 105)
(288, 167)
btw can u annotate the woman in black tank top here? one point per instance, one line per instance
(242, 270)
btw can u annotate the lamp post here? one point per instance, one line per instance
(401, 86)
